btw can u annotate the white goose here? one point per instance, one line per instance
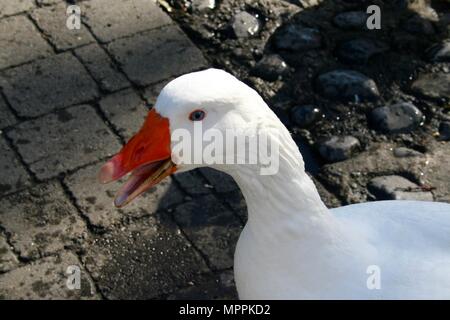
(292, 246)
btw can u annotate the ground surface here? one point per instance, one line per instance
(70, 99)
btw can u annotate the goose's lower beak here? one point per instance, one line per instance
(146, 156)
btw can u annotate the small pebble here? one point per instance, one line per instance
(304, 116)
(338, 148)
(271, 67)
(245, 25)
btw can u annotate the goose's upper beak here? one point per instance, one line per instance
(146, 156)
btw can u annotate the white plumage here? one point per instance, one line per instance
(292, 246)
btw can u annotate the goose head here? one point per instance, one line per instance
(208, 104)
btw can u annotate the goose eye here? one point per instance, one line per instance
(197, 115)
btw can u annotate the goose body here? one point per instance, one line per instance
(292, 246)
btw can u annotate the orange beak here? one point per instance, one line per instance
(146, 156)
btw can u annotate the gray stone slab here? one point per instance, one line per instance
(143, 260)
(151, 93)
(71, 138)
(211, 227)
(112, 19)
(126, 111)
(6, 116)
(96, 200)
(13, 175)
(8, 259)
(8, 7)
(20, 42)
(52, 21)
(40, 220)
(156, 55)
(39, 87)
(101, 68)
(46, 279)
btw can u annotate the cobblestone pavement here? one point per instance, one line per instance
(68, 100)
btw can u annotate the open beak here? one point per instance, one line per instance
(146, 156)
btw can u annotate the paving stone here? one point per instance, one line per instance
(6, 116)
(46, 279)
(397, 188)
(13, 175)
(20, 42)
(212, 228)
(211, 287)
(40, 220)
(8, 259)
(151, 93)
(433, 85)
(157, 55)
(193, 183)
(8, 8)
(39, 87)
(96, 200)
(142, 260)
(102, 68)
(126, 111)
(63, 141)
(112, 19)
(219, 180)
(52, 20)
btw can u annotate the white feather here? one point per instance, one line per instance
(293, 247)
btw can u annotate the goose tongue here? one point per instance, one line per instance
(146, 156)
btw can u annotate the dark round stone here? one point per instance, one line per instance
(360, 50)
(304, 116)
(351, 20)
(297, 38)
(347, 85)
(398, 118)
(271, 67)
